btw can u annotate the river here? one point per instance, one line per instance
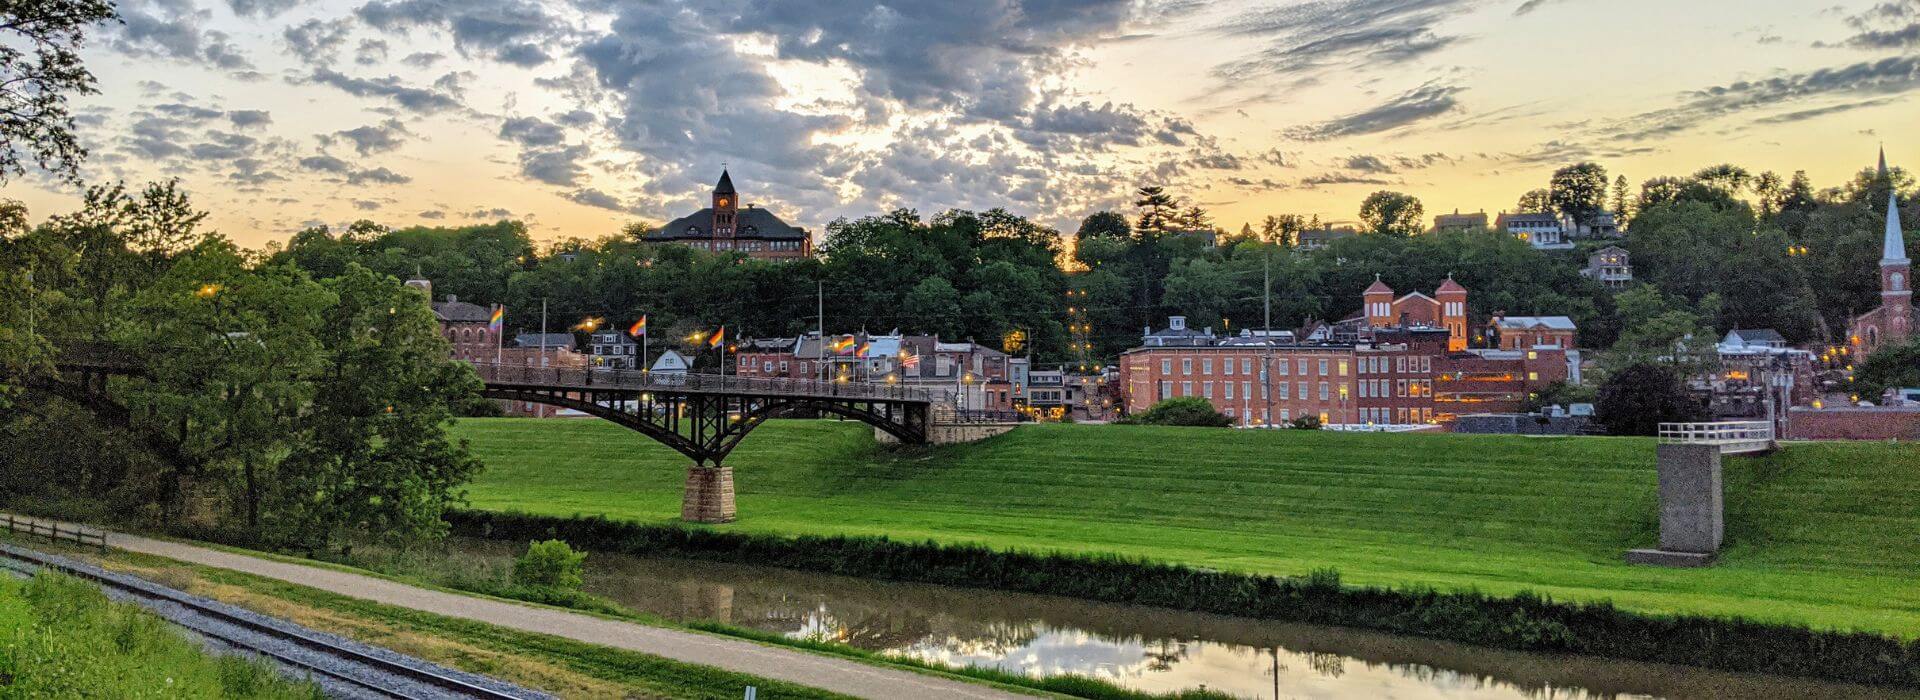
(1144, 648)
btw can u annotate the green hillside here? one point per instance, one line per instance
(1826, 534)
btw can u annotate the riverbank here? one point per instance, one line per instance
(1821, 534)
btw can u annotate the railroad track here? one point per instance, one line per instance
(342, 667)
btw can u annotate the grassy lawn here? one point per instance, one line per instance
(1826, 534)
(61, 638)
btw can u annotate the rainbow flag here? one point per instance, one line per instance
(719, 338)
(841, 345)
(498, 321)
(864, 347)
(639, 327)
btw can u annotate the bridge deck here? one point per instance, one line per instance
(601, 379)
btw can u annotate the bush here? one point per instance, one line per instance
(1306, 423)
(549, 564)
(1524, 622)
(1638, 398)
(1187, 410)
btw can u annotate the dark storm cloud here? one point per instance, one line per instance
(1871, 79)
(1309, 38)
(412, 98)
(1427, 101)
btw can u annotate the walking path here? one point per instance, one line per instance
(814, 670)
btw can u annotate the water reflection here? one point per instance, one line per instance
(1144, 648)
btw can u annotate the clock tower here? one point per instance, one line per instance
(726, 206)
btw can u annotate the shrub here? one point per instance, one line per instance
(1187, 410)
(549, 564)
(1306, 423)
(1638, 398)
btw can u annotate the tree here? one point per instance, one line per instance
(936, 305)
(1726, 177)
(1190, 411)
(1641, 396)
(1283, 230)
(1157, 209)
(1104, 224)
(1579, 192)
(1200, 290)
(40, 68)
(1659, 328)
(1392, 213)
(1621, 192)
(372, 460)
(1193, 218)
(1535, 202)
(1888, 368)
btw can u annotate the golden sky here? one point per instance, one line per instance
(581, 115)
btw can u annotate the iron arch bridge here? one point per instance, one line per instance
(705, 416)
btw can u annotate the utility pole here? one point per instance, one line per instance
(543, 333)
(820, 349)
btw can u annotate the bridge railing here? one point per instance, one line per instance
(1732, 436)
(643, 380)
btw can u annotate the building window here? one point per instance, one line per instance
(1166, 365)
(1303, 367)
(1246, 389)
(1323, 367)
(1400, 388)
(1228, 368)
(1206, 389)
(1186, 388)
(1283, 391)
(1229, 389)
(1186, 365)
(1324, 395)
(1533, 376)
(1246, 365)
(1343, 368)
(1206, 366)
(1166, 390)
(1304, 388)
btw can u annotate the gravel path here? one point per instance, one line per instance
(825, 672)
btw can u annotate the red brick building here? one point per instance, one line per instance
(727, 225)
(1894, 321)
(1446, 309)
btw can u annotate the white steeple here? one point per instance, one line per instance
(1895, 249)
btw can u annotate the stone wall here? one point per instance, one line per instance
(949, 433)
(1877, 423)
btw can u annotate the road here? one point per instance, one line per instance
(814, 670)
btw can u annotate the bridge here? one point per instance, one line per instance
(698, 415)
(1692, 497)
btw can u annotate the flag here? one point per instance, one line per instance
(719, 338)
(909, 360)
(862, 351)
(639, 327)
(842, 344)
(498, 321)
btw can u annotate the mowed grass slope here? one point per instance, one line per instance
(1824, 534)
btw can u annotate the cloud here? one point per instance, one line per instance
(434, 214)
(354, 176)
(596, 198)
(1309, 39)
(261, 9)
(1427, 101)
(495, 214)
(173, 29)
(423, 59)
(1817, 112)
(1530, 5)
(554, 166)
(366, 204)
(375, 138)
(326, 164)
(1368, 164)
(391, 87)
(1888, 25)
(370, 52)
(531, 131)
(315, 42)
(506, 30)
(245, 118)
(1871, 79)
(1317, 181)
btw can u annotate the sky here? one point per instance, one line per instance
(581, 116)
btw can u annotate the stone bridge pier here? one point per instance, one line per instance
(709, 495)
(1692, 496)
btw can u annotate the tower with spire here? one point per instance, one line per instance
(1894, 321)
(726, 226)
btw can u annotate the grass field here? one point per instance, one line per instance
(1824, 534)
(61, 638)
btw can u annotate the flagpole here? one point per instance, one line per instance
(543, 333)
(645, 364)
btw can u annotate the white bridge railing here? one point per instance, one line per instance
(1731, 436)
(602, 378)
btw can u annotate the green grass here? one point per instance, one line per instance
(61, 638)
(1823, 534)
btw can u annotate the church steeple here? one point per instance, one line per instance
(1883, 161)
(1894, 248)
(726, 203)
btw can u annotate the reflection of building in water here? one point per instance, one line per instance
(706, 601)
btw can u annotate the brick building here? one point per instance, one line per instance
(726, 225)
(1446, 309)
(1524, 332)
(966, 374)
